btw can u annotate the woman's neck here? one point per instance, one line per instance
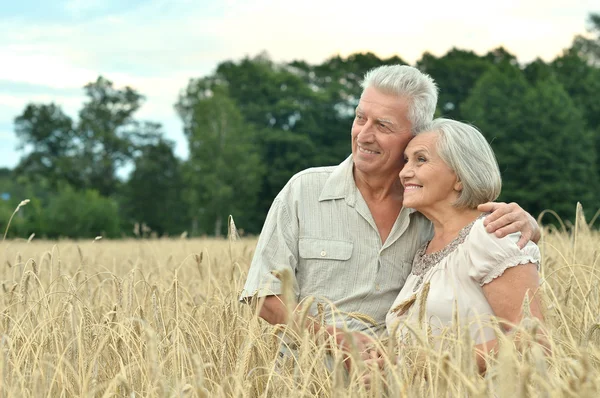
(447, 223)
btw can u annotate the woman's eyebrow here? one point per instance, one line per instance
(418, 151)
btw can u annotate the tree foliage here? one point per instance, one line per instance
(224, 170)
(254, 122)
(533, 127)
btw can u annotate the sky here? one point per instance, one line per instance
(49, 49)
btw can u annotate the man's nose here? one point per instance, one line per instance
(366, 133)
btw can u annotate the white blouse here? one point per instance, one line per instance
(457, 274)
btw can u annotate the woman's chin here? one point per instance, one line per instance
(410, 204)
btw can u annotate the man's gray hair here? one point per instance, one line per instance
(466, 151)
(408, 82)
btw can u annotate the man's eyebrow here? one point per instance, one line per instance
(387, 121)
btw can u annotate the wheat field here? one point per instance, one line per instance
(161, 318)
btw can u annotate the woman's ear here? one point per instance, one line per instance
(458, 186)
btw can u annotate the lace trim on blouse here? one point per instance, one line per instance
(423, 262)
(508, 263)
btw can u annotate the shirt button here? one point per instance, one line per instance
(323, 253)
(378, 287)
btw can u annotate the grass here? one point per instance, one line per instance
(156, 318)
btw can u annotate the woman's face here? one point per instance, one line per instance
(428, 182)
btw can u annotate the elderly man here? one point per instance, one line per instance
(342, 230)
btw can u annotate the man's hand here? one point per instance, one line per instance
(374, 364)
(348, 341)
(509, 218)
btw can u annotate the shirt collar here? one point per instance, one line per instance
(340, 185)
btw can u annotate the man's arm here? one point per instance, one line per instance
(276, 252)
(274, 311)
(507, 218)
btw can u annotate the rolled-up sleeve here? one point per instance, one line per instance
(277, 249)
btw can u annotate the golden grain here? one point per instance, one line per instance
(142, 318)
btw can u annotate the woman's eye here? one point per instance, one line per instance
(421, 159)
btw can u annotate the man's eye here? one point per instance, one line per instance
(421, 159)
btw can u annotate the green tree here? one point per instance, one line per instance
(48, 136)
(107, 132)
(545, 154)
(153, 193)
(278, 99)
(582, 81)
(81, 214)
(224, 170)
(455, 73)
(589, 46)
(501, 57)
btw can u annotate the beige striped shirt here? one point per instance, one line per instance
(320, 227)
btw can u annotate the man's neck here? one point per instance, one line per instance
(377, 188)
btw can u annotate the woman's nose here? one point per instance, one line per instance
(406, 171)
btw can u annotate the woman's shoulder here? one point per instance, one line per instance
(480, 237)
(489, 254)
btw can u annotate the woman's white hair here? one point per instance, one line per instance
(466, 151)
(407, 82)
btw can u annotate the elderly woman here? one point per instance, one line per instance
(449, 170)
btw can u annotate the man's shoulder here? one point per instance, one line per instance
(310, 183)
(313, 174)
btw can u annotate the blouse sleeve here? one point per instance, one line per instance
(490, 256)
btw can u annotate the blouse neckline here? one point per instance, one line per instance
(423, 262)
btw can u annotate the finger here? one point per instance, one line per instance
(500, 222)
(489, 206)
(496, 211)
(509, 229)
(525, 238)
(366, 379)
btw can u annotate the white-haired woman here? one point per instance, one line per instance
(449, 170)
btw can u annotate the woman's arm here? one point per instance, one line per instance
(505, 294)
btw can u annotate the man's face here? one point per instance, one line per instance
(380, 133)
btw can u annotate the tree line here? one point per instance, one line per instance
(253, 123)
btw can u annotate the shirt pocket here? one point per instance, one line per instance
(324, 249)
